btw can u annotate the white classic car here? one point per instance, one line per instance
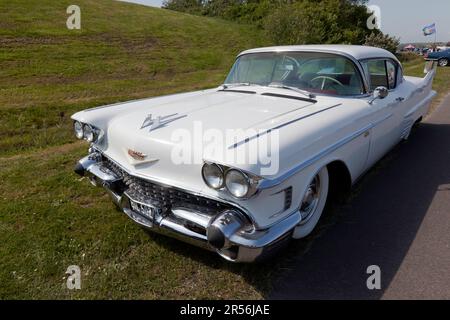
(190, 165)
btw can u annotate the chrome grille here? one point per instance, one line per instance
(164, 196)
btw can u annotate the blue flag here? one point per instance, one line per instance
(429, 30)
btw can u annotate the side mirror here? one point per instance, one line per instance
(379, 93)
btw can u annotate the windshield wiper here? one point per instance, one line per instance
(238, 84)
(282, 86)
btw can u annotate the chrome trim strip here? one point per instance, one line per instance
(237, 144)
(287, 201)
(266, 184)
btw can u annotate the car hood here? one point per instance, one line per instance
(215, 110)
(185, 119)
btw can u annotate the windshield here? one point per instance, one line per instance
(310, 71)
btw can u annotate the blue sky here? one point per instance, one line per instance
(154, 3)
(401, 18)
(406, 18)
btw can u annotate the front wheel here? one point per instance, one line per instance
(313, 204)
(443, 62)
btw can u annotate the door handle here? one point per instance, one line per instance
(400, 99)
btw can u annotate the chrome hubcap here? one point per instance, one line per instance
(310, 200)
(443, 62)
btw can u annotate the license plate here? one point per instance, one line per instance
(145, 210)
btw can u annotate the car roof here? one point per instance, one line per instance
(357, 52)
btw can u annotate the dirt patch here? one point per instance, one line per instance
(130, 44)
(42, 154)
(13, 42)
(438, 102)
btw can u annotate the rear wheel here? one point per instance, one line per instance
(443, 62)
(313, 204)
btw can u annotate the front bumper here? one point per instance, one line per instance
(192, 218)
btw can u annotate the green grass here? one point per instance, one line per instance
(49, 217)
(122, 52)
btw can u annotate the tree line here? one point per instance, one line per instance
(296, 21)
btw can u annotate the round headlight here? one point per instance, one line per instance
(89, 133)
(78, 128)
(212, 175)
(237, 183)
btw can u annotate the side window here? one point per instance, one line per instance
(377, 73)
(392, 74)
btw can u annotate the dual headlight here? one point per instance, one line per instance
(239, 184)
(86, 131)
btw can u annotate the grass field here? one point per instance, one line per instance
(50, 218)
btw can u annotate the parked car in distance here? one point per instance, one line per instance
(336, 110)
(424, 51)
(442, 48)
(442, 57)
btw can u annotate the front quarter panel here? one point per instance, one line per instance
(309, 145)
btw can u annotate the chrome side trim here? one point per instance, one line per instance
(287, 201)
(270, 183)
(237, 144)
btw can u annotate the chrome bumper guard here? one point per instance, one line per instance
(228, 232)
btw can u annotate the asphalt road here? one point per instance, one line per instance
(399, 220)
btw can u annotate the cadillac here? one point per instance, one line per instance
(336, 110)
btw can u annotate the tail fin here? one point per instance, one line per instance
(430, 71)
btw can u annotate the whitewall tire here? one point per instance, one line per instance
(313, 204)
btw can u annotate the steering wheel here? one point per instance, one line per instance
(325, 78)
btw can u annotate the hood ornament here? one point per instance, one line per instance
(160, 121)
